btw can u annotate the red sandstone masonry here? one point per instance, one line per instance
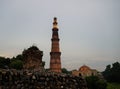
(55, 59)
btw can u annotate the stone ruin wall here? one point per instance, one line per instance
(32, 58)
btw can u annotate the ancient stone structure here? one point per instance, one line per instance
(32, 58)
(55, 60)
(20, 79)
(38, 80)
(86, 71)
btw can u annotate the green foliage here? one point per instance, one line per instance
(94, 82)
(101, 84)
(113, 86)
(64, 70)
(47, 69)
(16, 64)
(112, 74)
(43, 63)
(4, 62)
(19, 57)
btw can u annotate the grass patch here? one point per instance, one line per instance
(113, 86)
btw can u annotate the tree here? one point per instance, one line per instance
(107, 73)
(19, 57)
(115, 71)
(94, 82)
(4, 62)
(17, 64)
(43, 63)
(64, 70)
(112, 74)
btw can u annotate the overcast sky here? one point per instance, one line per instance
(89, 30)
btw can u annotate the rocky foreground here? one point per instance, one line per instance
(40, 80)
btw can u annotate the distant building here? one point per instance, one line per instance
(85, 71)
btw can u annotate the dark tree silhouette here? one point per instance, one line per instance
(112, 74)
(95, 82)
(4, 62)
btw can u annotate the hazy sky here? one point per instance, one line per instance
(89, 30)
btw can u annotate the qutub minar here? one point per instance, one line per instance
(55, 59)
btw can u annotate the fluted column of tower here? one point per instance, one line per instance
(55, 59)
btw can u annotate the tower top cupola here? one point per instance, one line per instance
(55, 26)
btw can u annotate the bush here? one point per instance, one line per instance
(17, 64)
(113, 86)
(94, 82)
(4, 62)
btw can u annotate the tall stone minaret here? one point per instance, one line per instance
(55, 59)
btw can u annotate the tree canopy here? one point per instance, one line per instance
(4, 62)
(64, 70)
(95, 82)
(112, 73)
(15, 62)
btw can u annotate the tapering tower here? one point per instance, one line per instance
(55, 59)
